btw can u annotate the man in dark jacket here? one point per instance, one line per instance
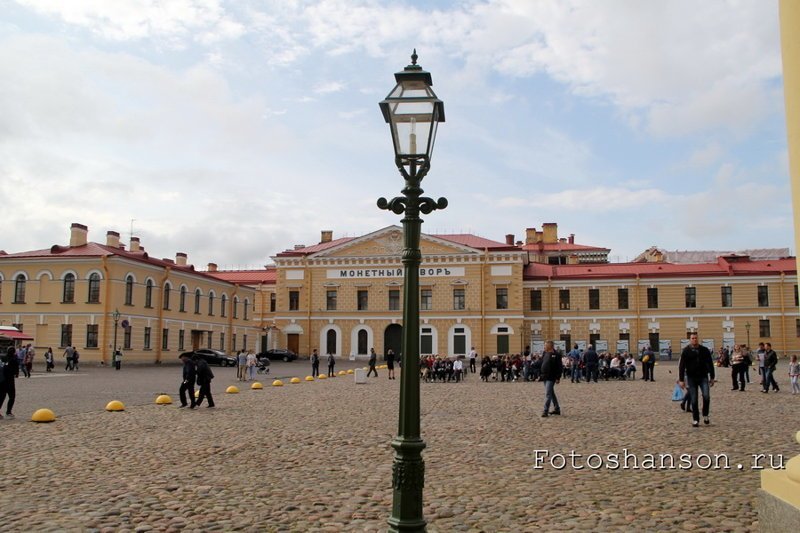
(696, 370)
(189, 377)
(552, 368)
(591, 360)
(8, 373)
(770, 363)
(204, 377)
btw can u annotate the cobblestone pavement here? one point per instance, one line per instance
(316, 456)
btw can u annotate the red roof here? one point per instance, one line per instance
(631, 270)
(316, 247)
(473, 241)
(266, 276)
(15, 335)
(562, 247)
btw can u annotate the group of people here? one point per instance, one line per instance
(434, 368)
(331, 364)
(195, 371)
(246, 365)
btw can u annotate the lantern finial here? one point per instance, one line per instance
(414, 57)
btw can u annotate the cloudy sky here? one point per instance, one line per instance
(232, 130)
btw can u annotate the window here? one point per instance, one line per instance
(126, 338)
(459, 300)
(652, 298)
(459, 341)
(244, 342)
(167, 290)
(763, 328)
(210, 339)
(233, 341)
(19, 289)
(180, 340)
(330, 300)
(182, 302)
(796, 297)
(426, 341)
(594, 298)
(622, 298)
(197, 296)
(210, 304)
(763, 296)
(223, 305)
(294, 300)
(235, 307)
(363, 301)
(362, 341)
(165, 339)
(147, 333)
(501, 299)
(222, 341)
(91, 335)
(727, 296)
(69, 289)
(148, 293)
(394, 299)
(536, 300)
(425, 300)
(246, 307)
(563, 299)
(66, 335)
(129, 290)
(272, 302)
(690, 294)
(797, 327)
(94, 288)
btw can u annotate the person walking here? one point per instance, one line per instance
(189, 378)
(591, 361)
(770, 364)
(794, 374)
(49, 360)
(68, 353)
(30, 353)
(373, 359)
(696, 371)
(648, 364)
(760, 356)
(314, 364)
(552, 369)
(473, 355)
(75, 358)
(252, 365)
(204, 377)
(575, 364)
(331, 364)
(117, 359)
(390, 363)
(737, 369)
(8, 388)
(241, 365)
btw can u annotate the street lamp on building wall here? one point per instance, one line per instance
(413, 113)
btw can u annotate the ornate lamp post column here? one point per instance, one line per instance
(413, 113)
(115, 316)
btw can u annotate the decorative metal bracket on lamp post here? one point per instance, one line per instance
(413, 113)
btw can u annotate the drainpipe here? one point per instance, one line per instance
(638, 315)
(783, 317)
(549, 308)
(160, 321)
(230, 318)
(106, 310)
(308, 285)
(483, 298)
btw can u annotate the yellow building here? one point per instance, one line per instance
(67, 295)
(344, 296)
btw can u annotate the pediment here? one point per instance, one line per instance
(388, 242)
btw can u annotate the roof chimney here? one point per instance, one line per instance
(550, 231)
(212, 267)
(327, 236)
(78, 234)
(571, 238)
(299, 246)
(181, 258)
(135, 246)
(112, 239)
(530, 235)
(510, 239)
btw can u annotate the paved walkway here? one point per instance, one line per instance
(316, 456)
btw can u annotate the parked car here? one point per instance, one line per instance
(278, 353)
(214, 357)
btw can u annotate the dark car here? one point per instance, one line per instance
(278, 353)
(214, 357)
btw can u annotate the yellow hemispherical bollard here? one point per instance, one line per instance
(233, 389)
(43, 415)
(115, 405)
(322, 376)
(350, 371)
(277, 383)
(341, 373)
(163, 399)
(309, 378)
(294, 380)
(256, 386)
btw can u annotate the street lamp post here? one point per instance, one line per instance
(747, 329)
(115, 315)
(413, 113)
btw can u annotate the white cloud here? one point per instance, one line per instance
(707, 155)
(328, 87)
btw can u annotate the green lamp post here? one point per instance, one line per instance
(413, 113)
(115, 316)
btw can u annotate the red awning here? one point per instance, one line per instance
(15, 335)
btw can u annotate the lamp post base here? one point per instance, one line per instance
(408, 480)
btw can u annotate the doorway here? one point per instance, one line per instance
(293, 342)
(393, 340)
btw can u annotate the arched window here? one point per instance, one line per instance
(148, 293)
(222, 303)
(94, 288)
(182, 303)
(210, 304)
(246, 305)
(362, 341)
(19, 289)
(330, 341)
(197, 296)
(235, 307)
(69, 288)
(167, 289)
(129, 290)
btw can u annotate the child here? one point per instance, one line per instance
(794, 374)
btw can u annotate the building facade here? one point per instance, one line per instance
(68, 295)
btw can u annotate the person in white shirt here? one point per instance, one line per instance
(630, 366)
(458, 369)
(473, 355)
